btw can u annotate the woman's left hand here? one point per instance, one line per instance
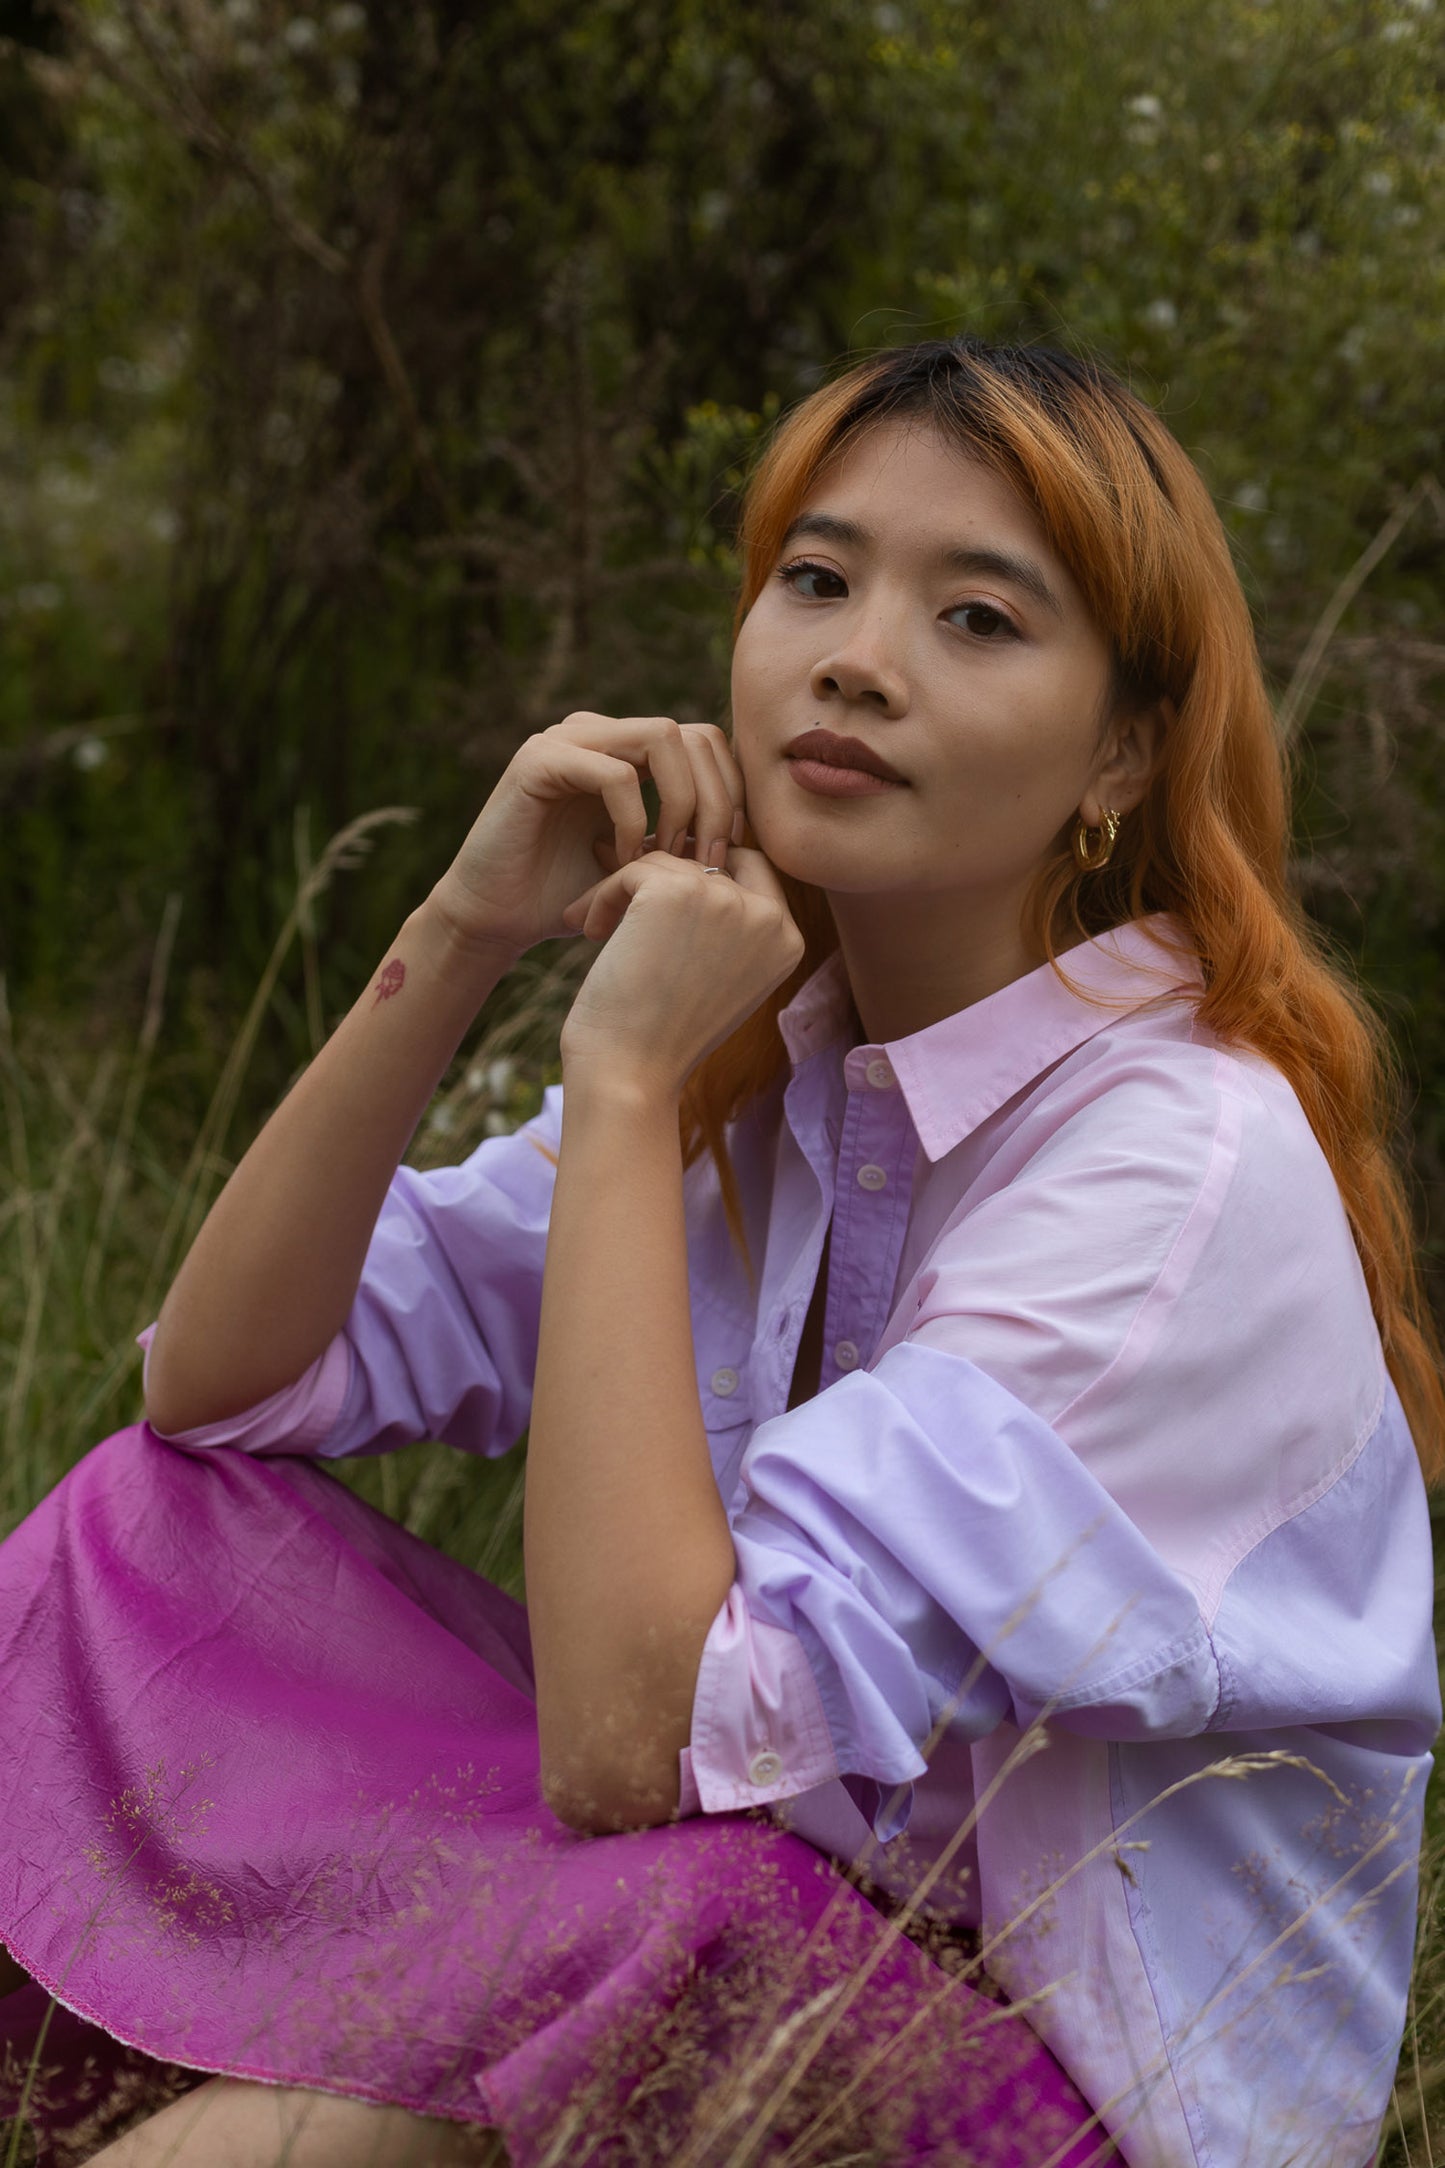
(689, 955)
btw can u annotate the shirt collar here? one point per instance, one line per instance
(955, 1073)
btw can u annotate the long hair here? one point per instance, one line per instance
(1127, 512)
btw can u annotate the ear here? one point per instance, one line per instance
(1129, 760)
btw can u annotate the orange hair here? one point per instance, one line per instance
(1128, 513)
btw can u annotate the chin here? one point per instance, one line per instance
(787, 847)
(802, 838)
(841, 864)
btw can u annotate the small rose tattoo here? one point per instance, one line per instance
(392, 980)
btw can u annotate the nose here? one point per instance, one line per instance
(861, 670)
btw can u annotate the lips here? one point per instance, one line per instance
(835, 752)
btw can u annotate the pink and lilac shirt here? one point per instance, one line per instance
(1093, 1588)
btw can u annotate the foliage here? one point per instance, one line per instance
(375, 385)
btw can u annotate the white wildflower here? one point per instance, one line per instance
(36, 598)
(65, 486)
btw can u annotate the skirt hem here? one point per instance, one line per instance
(487, 2121)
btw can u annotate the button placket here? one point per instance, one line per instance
(814, 1111)
(869, 1209)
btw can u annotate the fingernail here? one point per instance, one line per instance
(717, 853)
(739, 822)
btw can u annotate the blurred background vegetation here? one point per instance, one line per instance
(376, 385)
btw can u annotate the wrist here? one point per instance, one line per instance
(456, 951)
(620, 1084)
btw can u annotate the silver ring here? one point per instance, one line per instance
(717, 869)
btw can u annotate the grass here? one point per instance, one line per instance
(103, 1193)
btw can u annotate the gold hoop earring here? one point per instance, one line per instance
(1088, 856)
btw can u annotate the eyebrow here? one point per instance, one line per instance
(1000, 564)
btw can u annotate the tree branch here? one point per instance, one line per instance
(1300, 692)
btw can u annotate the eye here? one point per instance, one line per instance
(985, 622)
(793, 576)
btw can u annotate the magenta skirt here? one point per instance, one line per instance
(270, 1806)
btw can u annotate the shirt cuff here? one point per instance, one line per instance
(294, 1420)
(758, 1727)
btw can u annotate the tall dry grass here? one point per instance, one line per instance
(98, 1201)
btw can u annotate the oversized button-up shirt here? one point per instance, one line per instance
(1089, 1600)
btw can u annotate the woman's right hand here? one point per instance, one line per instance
(570, 802)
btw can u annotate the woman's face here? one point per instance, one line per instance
(918, 607)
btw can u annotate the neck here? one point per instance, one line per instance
(914, 959)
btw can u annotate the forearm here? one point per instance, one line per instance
(273, 1272)
(628, 1553)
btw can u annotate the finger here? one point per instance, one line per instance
(754, 871)
(731, 774)
(605, 852)
(713, 815)
(576, 911)
(600, 910)
(671, 770)
(654, 745)
(570, 770)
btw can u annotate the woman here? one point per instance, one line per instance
(971, 1409)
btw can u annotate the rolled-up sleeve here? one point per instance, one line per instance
(936, 1555)
(297, 1419)
(441, 1340)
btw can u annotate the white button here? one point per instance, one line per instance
(764, 1768)
(724, 1382)
(871, 1177)
(845, 1354)
(880, 1076)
